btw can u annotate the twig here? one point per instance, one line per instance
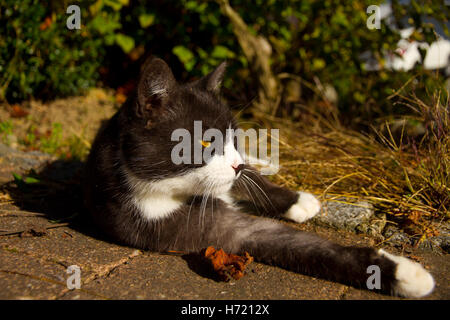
(25, 213)
(9, 233)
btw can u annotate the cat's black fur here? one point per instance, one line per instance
(137, 139)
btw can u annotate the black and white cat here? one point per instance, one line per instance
(140, 197)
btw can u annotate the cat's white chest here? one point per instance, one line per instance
(156, 206)
(155, 200)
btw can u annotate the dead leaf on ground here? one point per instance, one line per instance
(415, 258)
(18, 112)
(226, 265)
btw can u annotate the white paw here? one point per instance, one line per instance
(412, 279)
(306, 207)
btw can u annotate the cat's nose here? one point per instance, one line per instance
(237, 167)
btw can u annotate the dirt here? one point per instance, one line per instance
(79, 116)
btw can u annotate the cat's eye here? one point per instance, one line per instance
(206, 144)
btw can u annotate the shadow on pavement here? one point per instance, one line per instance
(55, 191)
(200, 266)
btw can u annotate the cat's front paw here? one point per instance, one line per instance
(307, 206)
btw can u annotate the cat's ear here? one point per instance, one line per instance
(213, 81)
(155, 84)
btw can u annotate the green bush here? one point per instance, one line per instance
(39, 56)
(316, 38)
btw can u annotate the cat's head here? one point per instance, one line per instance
(165, 141)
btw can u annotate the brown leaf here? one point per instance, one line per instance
(136, 53)
(18, 112)
(227, 266)
(124, 91)
(415, 258)
(120, 98)
(46, 24)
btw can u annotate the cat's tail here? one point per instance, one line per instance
(278, 244)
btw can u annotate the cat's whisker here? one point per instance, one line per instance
(252, 188)
(267, 199)
(261, 200)
(189, 212)
(250, 193)
(209, 194)
(203, 209)
(204, 203)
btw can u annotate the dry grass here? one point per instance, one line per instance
(407, 178)
(63, 127)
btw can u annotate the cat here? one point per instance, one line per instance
(138, 196)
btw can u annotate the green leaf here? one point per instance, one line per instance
(195, 6)
(17, 177)
(146, 20)
(358, 96)
(110, 39)
(31, 180)
(104, 25)
(125, 42)
(202, 53)
(115, 4)
(186, 57)
(221, 52)
(318, 64)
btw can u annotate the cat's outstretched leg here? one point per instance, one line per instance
(277, 244)
(272, 200)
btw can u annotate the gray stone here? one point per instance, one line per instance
(440, 241)
(22, 160)
(376, 225)
(343, 215)
(16, 161)
(395, 236)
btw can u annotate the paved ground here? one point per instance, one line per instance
(33, 263)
